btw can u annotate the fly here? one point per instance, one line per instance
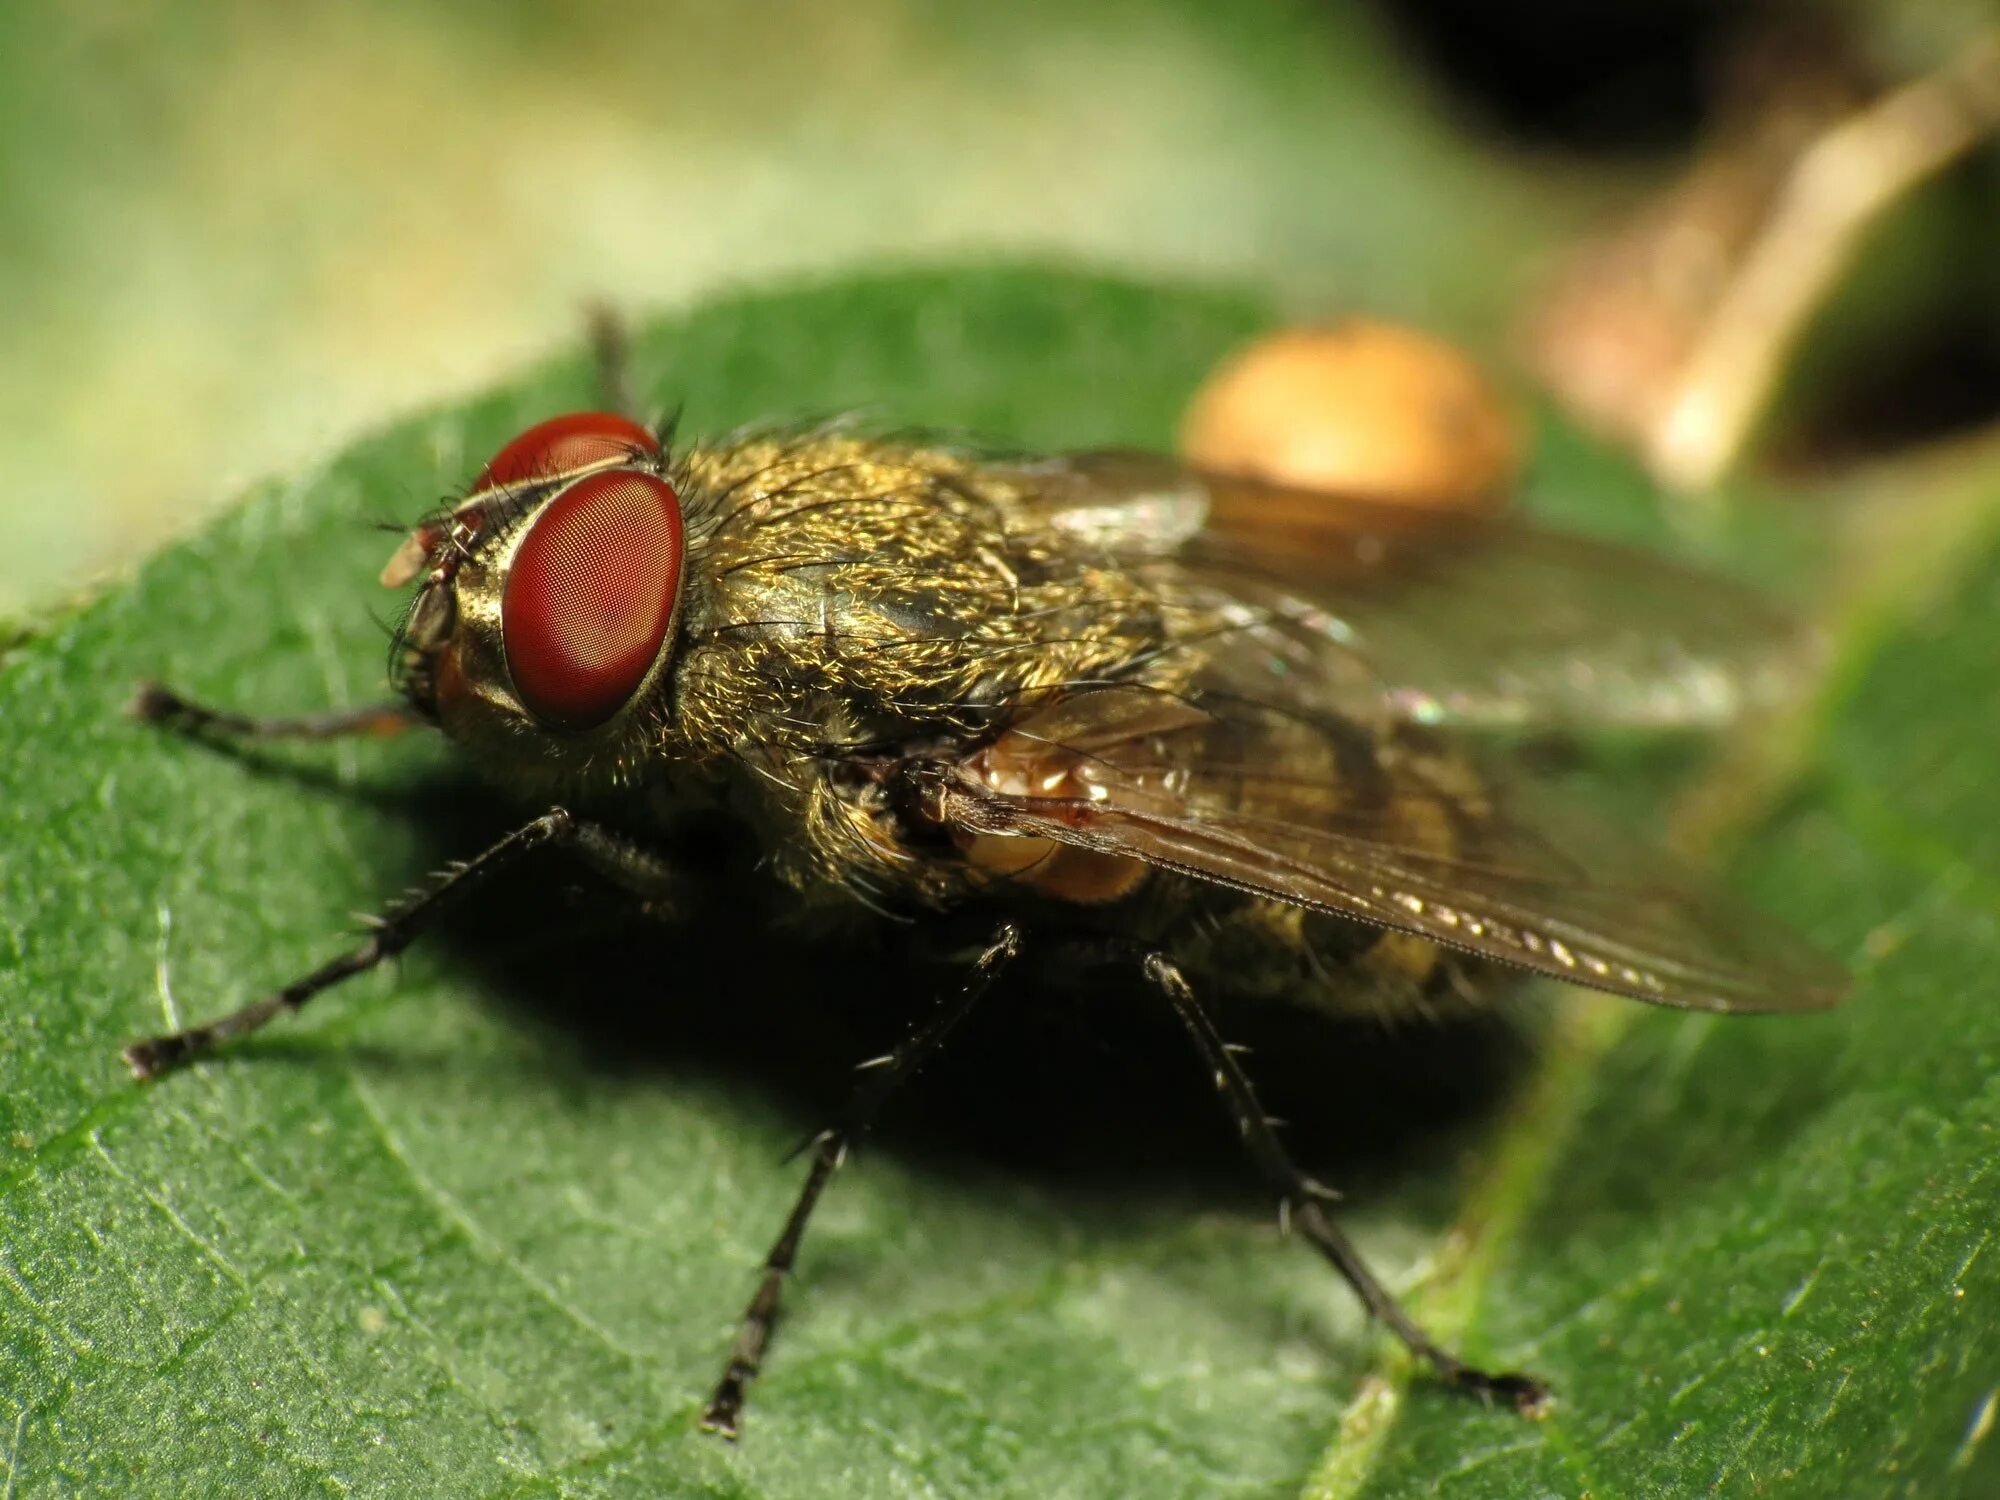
(1242, 736)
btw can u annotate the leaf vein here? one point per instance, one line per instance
(448, 1209)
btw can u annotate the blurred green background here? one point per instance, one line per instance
(232, 234)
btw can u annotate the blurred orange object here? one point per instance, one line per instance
(1363, 408)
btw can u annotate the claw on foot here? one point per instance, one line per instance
(1529, 1396)
(154, 1055)
(723, 1416)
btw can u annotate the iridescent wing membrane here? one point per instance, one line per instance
(1293, 769)
(1442, 617)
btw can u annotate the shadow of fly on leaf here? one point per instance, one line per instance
(1246, 743)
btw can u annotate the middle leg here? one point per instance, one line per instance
(724, 1413)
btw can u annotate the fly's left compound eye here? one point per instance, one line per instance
(590, 596)
(563, 445)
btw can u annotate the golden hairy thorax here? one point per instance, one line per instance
(844, 592)
(835, 579)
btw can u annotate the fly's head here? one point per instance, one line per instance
(541, 633)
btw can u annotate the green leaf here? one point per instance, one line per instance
(482, 1226)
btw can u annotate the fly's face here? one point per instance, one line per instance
(541, 634)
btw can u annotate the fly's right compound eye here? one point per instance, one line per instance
(563, 445)
(548, 450)
(590, 595)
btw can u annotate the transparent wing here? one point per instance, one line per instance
(1437, 618)
(1400, 834)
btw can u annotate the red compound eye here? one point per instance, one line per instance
(590, 596)
(563, 445)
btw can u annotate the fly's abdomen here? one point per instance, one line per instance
(1267, 951)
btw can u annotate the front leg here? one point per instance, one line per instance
(389, 934)
(620, 859)
(155, 703)
(628, 864)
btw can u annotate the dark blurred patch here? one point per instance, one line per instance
(1938, 380)
(1907, 352)
(1894, 340)
(1580, 73)
(1079, 1085)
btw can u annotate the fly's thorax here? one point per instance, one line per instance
(847, 591)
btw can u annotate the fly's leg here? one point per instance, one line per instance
(611, 359)
(389, 934)
(611, 355)
(724, 1413)
(1304, 1203)
(636, 867)
(155, 704)
(630, 864)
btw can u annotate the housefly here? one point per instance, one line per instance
(1249, 738)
